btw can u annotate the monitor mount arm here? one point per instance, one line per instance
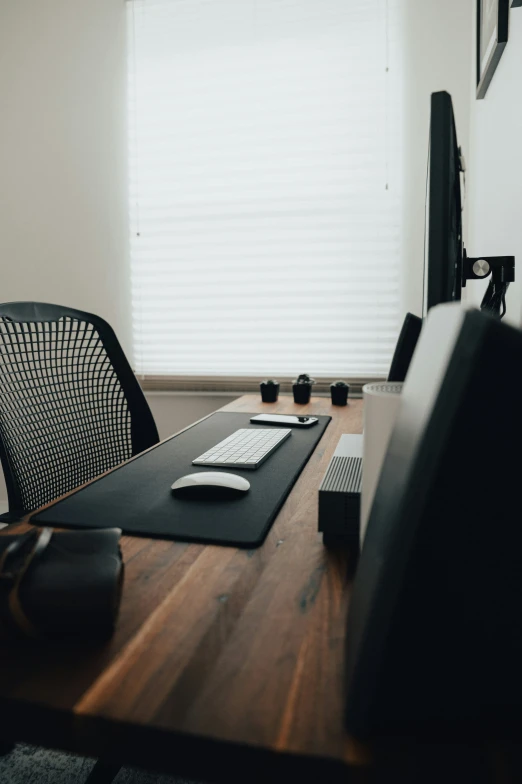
(502, 272)
(501, 268)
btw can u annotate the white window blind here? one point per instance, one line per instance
(265, 150)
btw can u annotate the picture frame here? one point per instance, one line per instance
(492, 37)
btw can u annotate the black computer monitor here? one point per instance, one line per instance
(443, 275)
(434, 632)
(405, 347)
(447, 267)
(444, 248)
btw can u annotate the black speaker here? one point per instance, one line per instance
(405, 347)
(434, 636)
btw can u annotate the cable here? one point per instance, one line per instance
(503, 305)
(486, 299)
(492, 300)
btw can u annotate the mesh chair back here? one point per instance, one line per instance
(70, 405)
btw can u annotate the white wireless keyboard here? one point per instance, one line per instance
(246, 448)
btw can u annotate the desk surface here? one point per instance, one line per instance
(222, 657)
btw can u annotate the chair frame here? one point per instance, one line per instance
(144, 433)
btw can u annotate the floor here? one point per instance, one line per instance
(32, 765)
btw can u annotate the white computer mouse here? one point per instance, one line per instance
(210, 484)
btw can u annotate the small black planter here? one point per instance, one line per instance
(269, 391)
(339, 392)
(302, 389)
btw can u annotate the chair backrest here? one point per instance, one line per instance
(70, 405)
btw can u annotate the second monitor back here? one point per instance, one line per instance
(405, 348)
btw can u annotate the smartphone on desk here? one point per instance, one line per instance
(284, 419)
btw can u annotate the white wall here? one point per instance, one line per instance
(437, 57)
(63, 203)
(495, 169)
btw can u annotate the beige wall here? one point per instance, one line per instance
(174, 411)
(63, 203)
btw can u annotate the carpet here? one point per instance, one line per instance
(34, 765)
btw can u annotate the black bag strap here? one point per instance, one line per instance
(15, 562)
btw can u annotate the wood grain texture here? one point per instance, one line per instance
(220, 654)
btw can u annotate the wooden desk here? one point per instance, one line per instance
(227, 664)
(224, 660)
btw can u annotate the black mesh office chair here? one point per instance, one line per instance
(70, 405)
(70, 409)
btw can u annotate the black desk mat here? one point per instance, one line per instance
(137, 496)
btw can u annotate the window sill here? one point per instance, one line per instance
(222, 385)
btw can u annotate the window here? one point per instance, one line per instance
(265, 186)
